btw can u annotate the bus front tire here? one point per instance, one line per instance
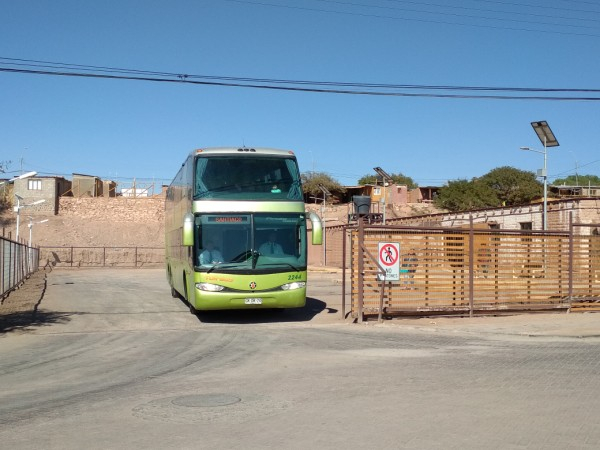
(193, 310)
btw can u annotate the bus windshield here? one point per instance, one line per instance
(236, 177)
(250, 242)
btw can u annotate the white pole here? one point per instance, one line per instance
(545, 187)
(324, 231)
(29, 250)
(18, 222)
(384, 200)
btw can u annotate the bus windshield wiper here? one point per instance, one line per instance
(255, 255)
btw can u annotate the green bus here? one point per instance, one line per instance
(235, 230)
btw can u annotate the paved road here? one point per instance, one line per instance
(120, 364)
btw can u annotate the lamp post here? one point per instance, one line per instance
(326, 193)
(30, 225)
(18, 207)
(30, 248)
(385, 177)
(18, 210)
(546, 136)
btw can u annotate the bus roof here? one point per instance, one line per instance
(243, 150)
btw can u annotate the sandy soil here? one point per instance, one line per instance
(72, 231)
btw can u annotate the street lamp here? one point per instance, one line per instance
(546, 136)
(20, 177)
(384, 176)
(31, 224)
(30, 249)
(18, 208)
(326, 194)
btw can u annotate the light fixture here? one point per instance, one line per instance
(546, 137)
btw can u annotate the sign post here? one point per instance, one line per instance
(389, 260)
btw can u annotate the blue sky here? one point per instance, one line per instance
(124, 129)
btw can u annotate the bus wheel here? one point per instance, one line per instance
(174, 293)
(193, 310)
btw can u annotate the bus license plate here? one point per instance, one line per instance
(253, 301)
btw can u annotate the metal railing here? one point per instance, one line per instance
(18, 261)
(102, 256)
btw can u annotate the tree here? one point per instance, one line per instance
(311, 181)
(513, 186)
(501, 186)
(463, 195)
(578, 180)
(397, 178)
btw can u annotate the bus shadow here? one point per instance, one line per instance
(312, 308)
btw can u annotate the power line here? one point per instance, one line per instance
(185, 76)
(434, 21)
(520, 13)
(180, 76)
(368, 89)
(470, 16)
(545, 6)
(579, 166)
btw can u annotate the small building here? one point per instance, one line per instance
(394, 194)
(109, 188)
(424, 194)
(350, 192)
(33, 189)
(563, 191)
(86, 186)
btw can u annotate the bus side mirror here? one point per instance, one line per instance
(188, 230)
(317, 228)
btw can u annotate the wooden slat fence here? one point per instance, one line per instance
(473, 271)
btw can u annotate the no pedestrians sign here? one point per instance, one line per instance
(389, 260)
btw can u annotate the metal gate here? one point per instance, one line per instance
(472, 271)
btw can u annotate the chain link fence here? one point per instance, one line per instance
(19, 261)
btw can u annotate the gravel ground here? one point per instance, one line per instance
(18, 309)
(19, 312)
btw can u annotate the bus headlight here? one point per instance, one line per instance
(294, 285)
(209, 287)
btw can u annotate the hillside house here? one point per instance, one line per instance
(49, 189)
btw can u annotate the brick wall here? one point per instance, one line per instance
(584, 210)
(115, 209)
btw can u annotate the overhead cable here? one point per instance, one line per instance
(322, 87)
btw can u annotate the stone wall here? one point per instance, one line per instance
(114, 209)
